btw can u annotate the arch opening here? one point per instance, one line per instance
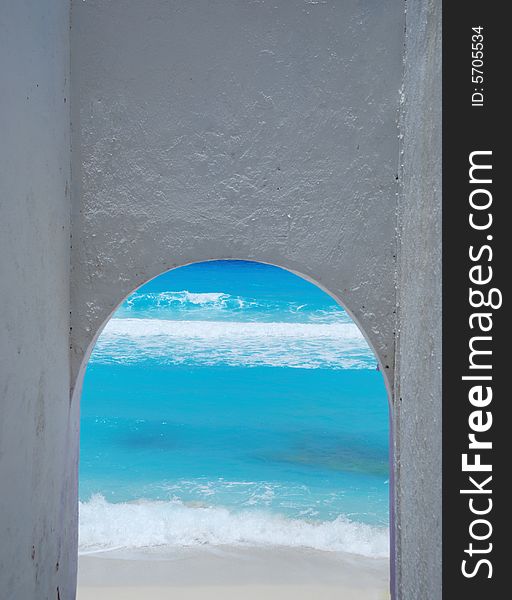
(253, 357)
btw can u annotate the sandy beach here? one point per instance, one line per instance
(226, 573)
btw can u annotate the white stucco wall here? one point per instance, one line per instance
(204, 130)
(253, 130)
(37, 438)
(264, 131)
(417, 414)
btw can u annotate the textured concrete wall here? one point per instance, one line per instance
(37, 454)
(222, 129)
(225, 129)
(204, 130)
(418, 382)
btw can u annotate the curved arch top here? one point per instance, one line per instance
(383, 360)
(175, 166)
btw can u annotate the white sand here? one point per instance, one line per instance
(226, 573)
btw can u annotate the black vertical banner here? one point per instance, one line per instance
(476, 266)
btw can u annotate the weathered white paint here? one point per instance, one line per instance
(203, 130)
(38, 439)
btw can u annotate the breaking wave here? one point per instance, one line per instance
(220, 306)
(147, 524)
(251, 344)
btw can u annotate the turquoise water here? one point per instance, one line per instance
(233, 402)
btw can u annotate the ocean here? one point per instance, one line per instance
(232, 402)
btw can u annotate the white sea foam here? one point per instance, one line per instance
(299, 345)
(144, 524)
(183, 297)
(170, 304)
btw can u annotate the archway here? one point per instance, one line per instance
(280, 330)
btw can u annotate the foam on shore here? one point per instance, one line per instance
(148, 524)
